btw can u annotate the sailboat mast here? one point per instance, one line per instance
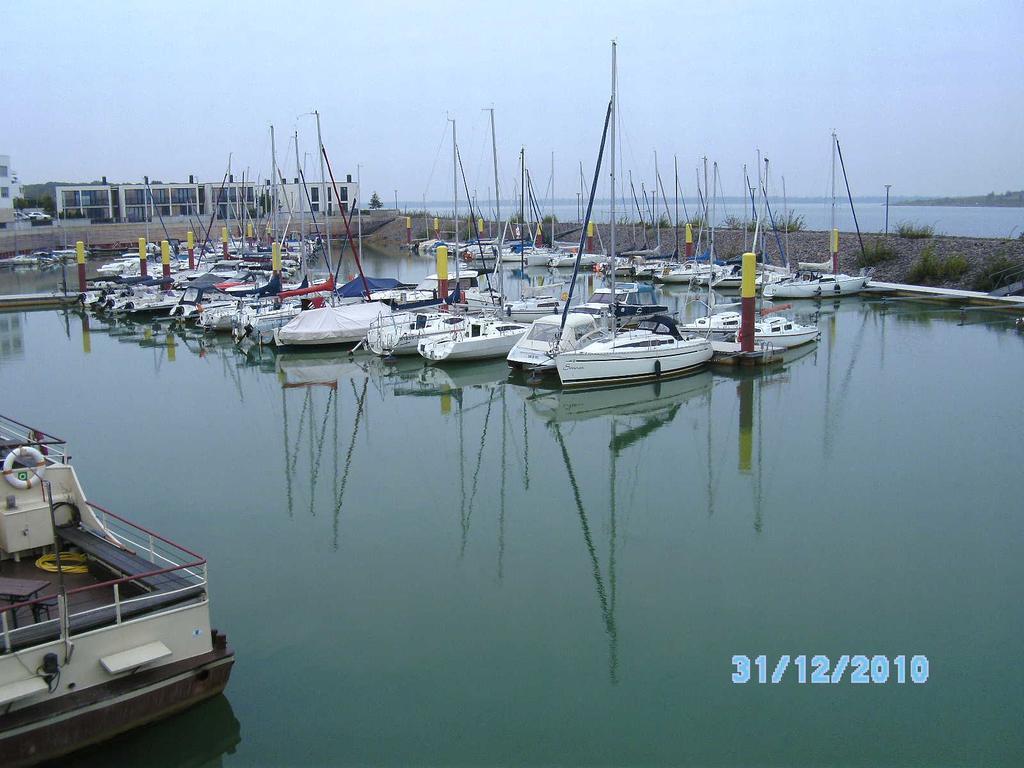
(832, 221)
(551, 242)
(302, 214)
(455, 213)
(675, 166)
(359, 207)
(273, 188)
(745, 187)
(711, 252)
(522, 206)
(497, 206)
(323, 193)
(611, 247)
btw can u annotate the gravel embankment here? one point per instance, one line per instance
(979, 252)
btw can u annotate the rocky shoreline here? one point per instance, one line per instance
(901, 262)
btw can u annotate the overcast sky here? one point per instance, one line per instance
(926, 96)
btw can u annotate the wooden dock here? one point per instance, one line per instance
(17, 301)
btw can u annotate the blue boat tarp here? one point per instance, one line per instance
(355, 288)
(707, 255)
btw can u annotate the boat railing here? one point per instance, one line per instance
(14, 433)
(180, 573)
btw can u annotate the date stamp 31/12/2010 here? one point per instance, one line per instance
(858, 669)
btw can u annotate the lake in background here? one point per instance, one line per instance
(946, 220)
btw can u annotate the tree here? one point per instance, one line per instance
(375, 202)
(49, 206)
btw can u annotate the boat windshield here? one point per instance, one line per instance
(547, 332)
(605, 297)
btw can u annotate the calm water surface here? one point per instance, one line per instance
(446, 566)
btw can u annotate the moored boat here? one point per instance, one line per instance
(113, 635)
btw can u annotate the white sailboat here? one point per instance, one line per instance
(479, 338)
(813, 285)
(401, 333)
(781, 332)
(654, 349)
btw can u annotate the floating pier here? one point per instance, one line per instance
(37, 301)
(877, 288)
(731, 353)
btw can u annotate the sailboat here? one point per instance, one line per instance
(811, 284)
(655, 348)
(479, 338)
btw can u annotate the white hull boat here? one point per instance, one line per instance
(816, 286)
(780, 332)
(479, 339)
(537, 349)
(402, 332)
(645, 353)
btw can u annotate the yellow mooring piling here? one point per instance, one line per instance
(142, 257)
(442, 274)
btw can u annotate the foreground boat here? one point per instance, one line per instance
(90, 652)
(655, 349)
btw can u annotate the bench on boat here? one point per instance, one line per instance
(162, 591)
(122, 562)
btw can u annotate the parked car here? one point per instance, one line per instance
(38, 216)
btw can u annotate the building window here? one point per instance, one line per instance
(5, 192)
(344, 194)
(314, 194)
(3, 171)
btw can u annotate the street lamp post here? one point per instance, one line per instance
(887, 209)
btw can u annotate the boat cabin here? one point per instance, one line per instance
(631, 300)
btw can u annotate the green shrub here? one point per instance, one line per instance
(875, 253)
(915, 231)
(930, 269)
(999, 271)
(789, 223)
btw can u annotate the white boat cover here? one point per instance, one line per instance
(815, 266)
(332, 325)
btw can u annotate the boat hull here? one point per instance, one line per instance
(812, 289)
(57, 727)
(582, 369)
(477, 348)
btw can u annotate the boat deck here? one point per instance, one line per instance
(80, 601)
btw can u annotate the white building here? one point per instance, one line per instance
(135, 202)
(9, 189)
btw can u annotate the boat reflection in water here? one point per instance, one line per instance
(213, 730)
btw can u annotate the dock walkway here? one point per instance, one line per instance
(948, 294)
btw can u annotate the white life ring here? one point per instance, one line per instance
(24, 477)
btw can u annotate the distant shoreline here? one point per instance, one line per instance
(991, 200)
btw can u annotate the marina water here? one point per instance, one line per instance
(450, 566)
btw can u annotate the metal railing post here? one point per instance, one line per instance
(6, 630)
(117, 602)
